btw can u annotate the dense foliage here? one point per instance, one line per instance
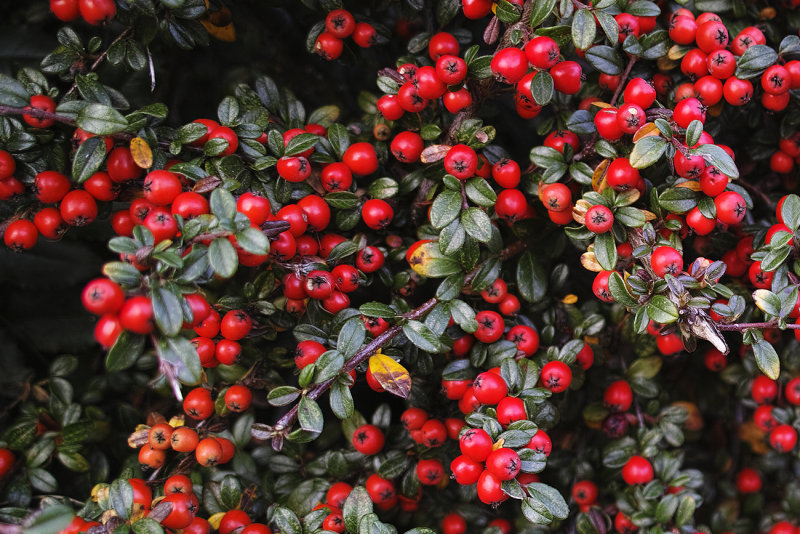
(433, 265)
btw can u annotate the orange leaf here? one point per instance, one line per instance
(570, 299)
(600, 104)
(141, 152)
(391, 375)
(647, 130)
(689, 184)
(225, 33)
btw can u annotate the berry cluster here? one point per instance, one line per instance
(92, 11)
(339, 25)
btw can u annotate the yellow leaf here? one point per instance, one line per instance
(139, 437)
(177, 420)
(141, 152)
(427, 260)
(677, 52)
(589, 262)
(601, 105)
(579, 210)
(215, 520)
(599, 174)
(498, 444)
(570, 299)
(391, 375)
(665, 64)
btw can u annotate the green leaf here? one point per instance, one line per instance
(341, 400)
(678, 199)
(581, 123)
(767, 301)
(583, 29)
(339, 139)
(662, 310)
(100, 119)
(13, 93)
(222, 257)
(421, 336)
(620, 291)
(351, 337)
(167, 311)
(647, 151)
(609, 25)
(605, 59)
(147, 525)
(222, 204)
(605, 250)
(300, 143)
(643, 8)
(630, 216)
(282, 395)
(125, 352)
(685, 511)
(377, 309)
(445, 208)
(507, 12)
(182, 355)
(54, 518)
(286, 521)
(790, 211)
(542, 88)
(383, 188)
(123, 273)
(717, 157)
(357, 505)
(342, 199)
(253, 241)
(754, 61)
(541, 10)
(531, 278)
(309, 415)
(42, 480)
(545, 156)
(121, 498)
(464, 315)
(477, 224)
(88, 158)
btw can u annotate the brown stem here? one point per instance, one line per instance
(757, 192)
(42, 114)
(285, 422)
(101, 57)
(741, 327)
(36, 113)
(622, 80)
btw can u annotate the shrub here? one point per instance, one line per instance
(433, 265)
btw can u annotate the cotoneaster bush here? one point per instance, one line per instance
(400, 266)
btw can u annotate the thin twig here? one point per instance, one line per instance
(101, 57)
(741, 327)
(285, 422)
(622, 80)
